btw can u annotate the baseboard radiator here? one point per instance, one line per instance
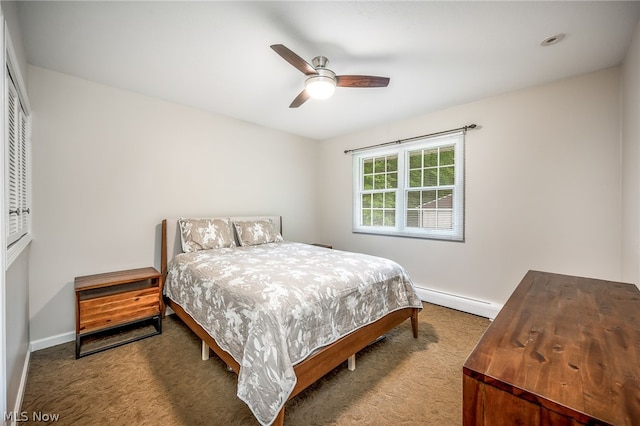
(460, 303)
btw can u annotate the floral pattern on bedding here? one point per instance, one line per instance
(271, 305)
(254, 232)
(204, 234)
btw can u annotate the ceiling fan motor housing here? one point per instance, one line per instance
(320, 62)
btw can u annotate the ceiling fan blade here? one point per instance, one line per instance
(361, 81)
(300, 99)
(295, 60)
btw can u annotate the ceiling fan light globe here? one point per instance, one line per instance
(320, 87)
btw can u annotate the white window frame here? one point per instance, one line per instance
(456, 233)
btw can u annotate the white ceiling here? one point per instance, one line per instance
(215, 55)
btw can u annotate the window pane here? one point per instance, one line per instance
(428, 199)
(415, 178)
(415, 160)
(445, 219)
(366, 217)
(447, 175)
(390, 200)
(366, 201)
(379, 181)
(412, 218)
(447, 156)
(430, 177)
(367, 166)
(392, 164)
(429, 219)
(431, 158)
(392, 180)
(378, 200)
(368, 182)
(413, 199)
(378, 218)
(445, 199)
(379, 165)
(389, 218)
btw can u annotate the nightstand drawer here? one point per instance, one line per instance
(118, 308)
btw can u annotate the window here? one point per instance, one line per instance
(17, 185)
(414, 189)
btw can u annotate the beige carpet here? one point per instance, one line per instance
(161, 380)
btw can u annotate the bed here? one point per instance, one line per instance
(280, 314)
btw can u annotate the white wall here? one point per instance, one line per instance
(630, 93)
(17, 316)
(542, 189)
(10, 11)
(109, 165)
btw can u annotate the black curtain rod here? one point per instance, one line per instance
(399, 141)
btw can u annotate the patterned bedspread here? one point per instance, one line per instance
(271, 305)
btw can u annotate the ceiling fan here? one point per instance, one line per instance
(321, 82)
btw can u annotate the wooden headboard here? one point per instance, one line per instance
(172, 246)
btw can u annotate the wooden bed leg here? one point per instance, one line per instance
(414, 323)
(351, 362)
(279, 421)
(205, 351)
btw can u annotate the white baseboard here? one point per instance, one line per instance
(23, 385)
(59, 339)
(460, 303)
(47, 342)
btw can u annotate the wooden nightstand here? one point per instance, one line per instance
(110, 301)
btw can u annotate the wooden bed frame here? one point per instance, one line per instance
(316, 365)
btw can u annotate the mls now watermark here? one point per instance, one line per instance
(34, 416)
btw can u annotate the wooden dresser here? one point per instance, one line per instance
(564, 350)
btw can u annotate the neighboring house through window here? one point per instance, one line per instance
(415, 189)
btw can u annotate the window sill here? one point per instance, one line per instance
(408, 234)
(17, 248)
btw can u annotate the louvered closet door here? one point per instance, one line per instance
(13, 175)
(17, 132)
(24, 207)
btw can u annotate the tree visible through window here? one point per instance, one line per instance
(415, 189)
